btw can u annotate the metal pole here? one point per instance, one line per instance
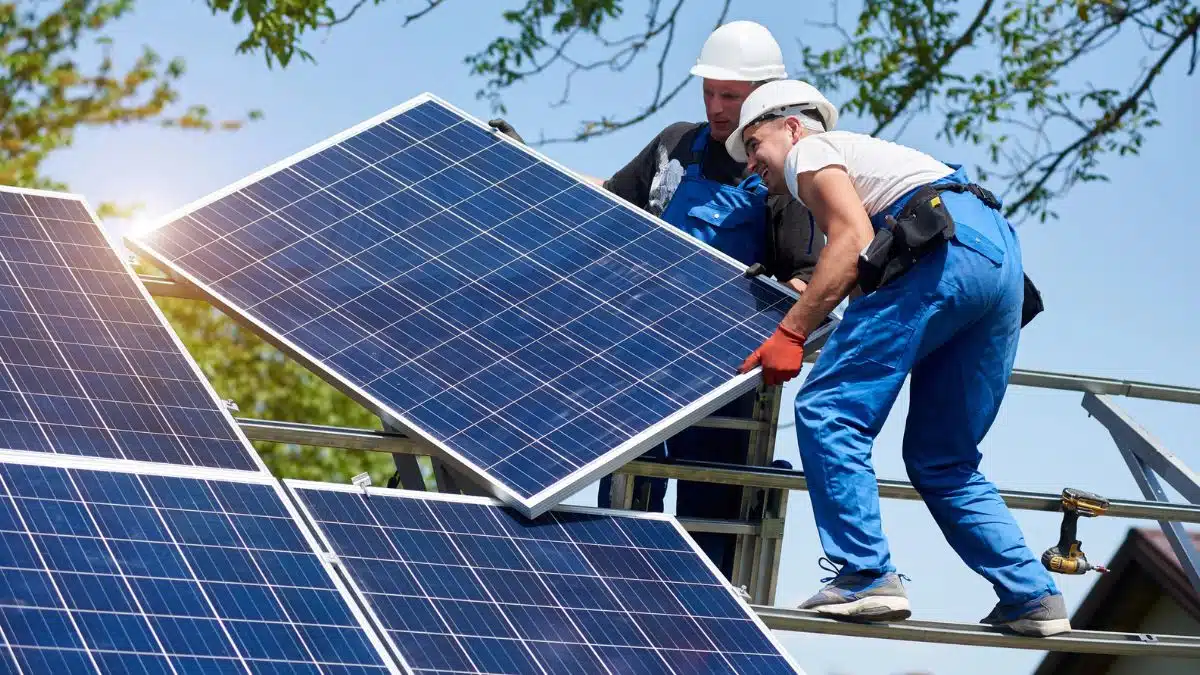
(784, 479)
(1103, 385)
(1128, 433)
(979, 635)
(1144, 456)
(893, 489)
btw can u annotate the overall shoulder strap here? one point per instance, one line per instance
(697, 151)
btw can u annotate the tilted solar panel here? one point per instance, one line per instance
(463, 584)
(112, 572)
(536, 329)
(88, 365)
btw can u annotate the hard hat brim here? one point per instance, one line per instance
(735, 146)
(710, 72)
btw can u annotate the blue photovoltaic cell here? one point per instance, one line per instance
(104, 572)
(525, 321)
(464, 586)
(86, 366)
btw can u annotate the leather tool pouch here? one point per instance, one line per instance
(1032, 305)
(924, 225)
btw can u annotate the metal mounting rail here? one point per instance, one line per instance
(168, 288)
(332, 437)
(979, 635)
(728, 474)
(1103, 385)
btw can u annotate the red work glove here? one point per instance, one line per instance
(780, 356)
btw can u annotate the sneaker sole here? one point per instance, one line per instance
(874, 608)
(1036, 628)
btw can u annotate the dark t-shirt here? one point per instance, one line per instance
(650, 179)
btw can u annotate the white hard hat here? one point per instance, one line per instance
(740, 50)
(785, 98)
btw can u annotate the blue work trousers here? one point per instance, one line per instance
(953, 321)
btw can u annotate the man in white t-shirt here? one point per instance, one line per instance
(942, 292)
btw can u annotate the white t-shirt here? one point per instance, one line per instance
(881, 171)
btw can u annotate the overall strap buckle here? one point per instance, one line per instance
(981, 193)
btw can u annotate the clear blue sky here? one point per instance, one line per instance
(1117, 271)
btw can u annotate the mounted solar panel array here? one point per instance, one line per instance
(115, 572)
(88, 365)
(139, 532)
(534, 328)
(464, 584)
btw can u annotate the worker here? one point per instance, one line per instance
(939, 295)
(685, 176)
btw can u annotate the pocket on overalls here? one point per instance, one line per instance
(713, 214)
(972, 220)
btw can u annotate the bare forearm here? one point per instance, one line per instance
(833, 278)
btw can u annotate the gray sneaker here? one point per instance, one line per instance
(1040, 617)
(861, 598)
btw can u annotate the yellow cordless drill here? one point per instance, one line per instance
(1067, 556)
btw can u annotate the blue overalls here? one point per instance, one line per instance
(953, 321)
(732, 219)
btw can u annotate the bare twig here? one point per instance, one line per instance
(430, 6)
(621, 60)
(350, 14)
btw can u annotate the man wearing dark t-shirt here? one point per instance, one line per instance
(687, 162)
(686, 177)
(649, 181)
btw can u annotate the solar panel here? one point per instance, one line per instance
(88, 365)
(112, 572)
(531, 326)
(462, 584)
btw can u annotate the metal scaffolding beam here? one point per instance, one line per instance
(784, 479)
(978, 635)
(1103, 385)
(1147, 459)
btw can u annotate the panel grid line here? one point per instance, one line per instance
(417, 582)
(121, 574)
(66, 310)
(54, 584)
(525, 610)
(224, 610)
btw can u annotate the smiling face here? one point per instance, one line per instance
(723, 105)
(767, 146)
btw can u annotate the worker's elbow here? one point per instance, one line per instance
(851, 236)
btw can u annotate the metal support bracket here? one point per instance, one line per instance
(1146, 457)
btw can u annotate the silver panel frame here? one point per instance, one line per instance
(295, 485)
(145, 295)
(551, 496)
(138, 468)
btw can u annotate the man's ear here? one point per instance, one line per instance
(795, 129)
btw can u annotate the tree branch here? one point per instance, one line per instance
(916, 86)
(353, 9)
(594, 128)
(430, 6)
(1109, 121)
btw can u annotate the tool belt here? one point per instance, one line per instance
(921, 227)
